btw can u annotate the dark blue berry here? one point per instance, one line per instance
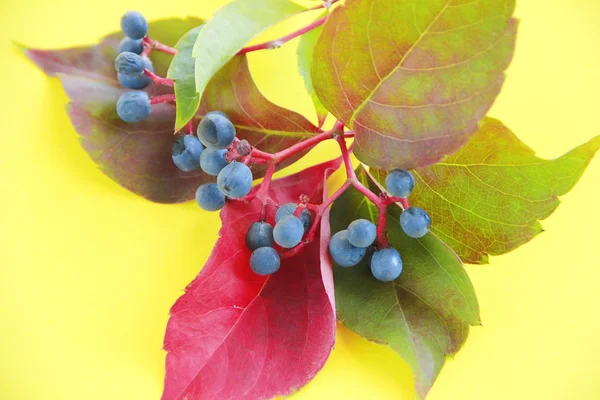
(134, 25)
(260, 234)
(128, 44)
(209, 197)
(186, 152)
(134, 106)
(216, 130)
(386, 264)
(264, 261)
(235, 180)
(343, 253)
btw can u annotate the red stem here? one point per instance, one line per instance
(151, 45)
(274, 44)
(165, 98)
(157, 79)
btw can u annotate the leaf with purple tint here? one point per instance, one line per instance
(138, 156)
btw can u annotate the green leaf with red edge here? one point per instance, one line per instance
(306, 47)
(238, 335)
(182, 72)
(138, 156)
(413, 78)
(489, 197)
(425, 314)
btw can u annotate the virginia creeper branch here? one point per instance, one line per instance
(157, 79)
(165, 98)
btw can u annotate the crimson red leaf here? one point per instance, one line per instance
(238, 335)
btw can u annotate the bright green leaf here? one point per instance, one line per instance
(425, 314)
(182, 72)
(412, 78)
(305, 57)
(231, 28)
(489, 197)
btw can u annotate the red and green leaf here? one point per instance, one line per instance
(489, 197)
(425, 314)
(235, 334)
(413, 78)
(138, 156)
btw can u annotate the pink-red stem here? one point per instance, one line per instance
(157, 79)
(151, 45)
(165, 98)
(274, 44)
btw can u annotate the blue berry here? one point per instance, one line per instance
(288, 232)
(216, 130)
(209, 197)
(264, 261)
(134, 25)
(138, 81)
(128, 44)
(212, 161)
(235, 180)
(343, 253)
(386, 264)
(186, 152)
(400, 183)
(260, 234)
(289, 209)
(362, 233)
(129, 63)
(134, 106)
(415, 222)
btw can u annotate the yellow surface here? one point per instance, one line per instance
(89, 271)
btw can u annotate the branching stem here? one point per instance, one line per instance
(157, 79)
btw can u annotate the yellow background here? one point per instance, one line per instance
(89, 271)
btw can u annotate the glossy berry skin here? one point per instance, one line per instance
(186, 152)
(134, 25)
(209, 197)
(134, 106)
(235, 180)
(400, 183)
(128, 44)
(139, 81)
(415, 222)
(264, 261)
(215, 130)
(362, 233)
(288, 232)
(129, 63)
(386, 264)
(343, 253)
(289, 209)
(260, 234)
(212, 161)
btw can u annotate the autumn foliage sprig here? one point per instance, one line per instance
(409, 84)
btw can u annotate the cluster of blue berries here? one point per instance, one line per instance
(133, 106)
(287, 233)
(207, 150)
(349, 247)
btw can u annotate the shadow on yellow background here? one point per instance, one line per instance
(89, 271)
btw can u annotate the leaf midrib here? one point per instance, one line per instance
(402, 60)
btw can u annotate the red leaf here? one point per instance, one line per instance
(237, 335)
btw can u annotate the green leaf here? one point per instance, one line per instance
(489, 197)
(231, 28)
(425, 314)
(412, 78)
(306, 46)
(182, 72)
